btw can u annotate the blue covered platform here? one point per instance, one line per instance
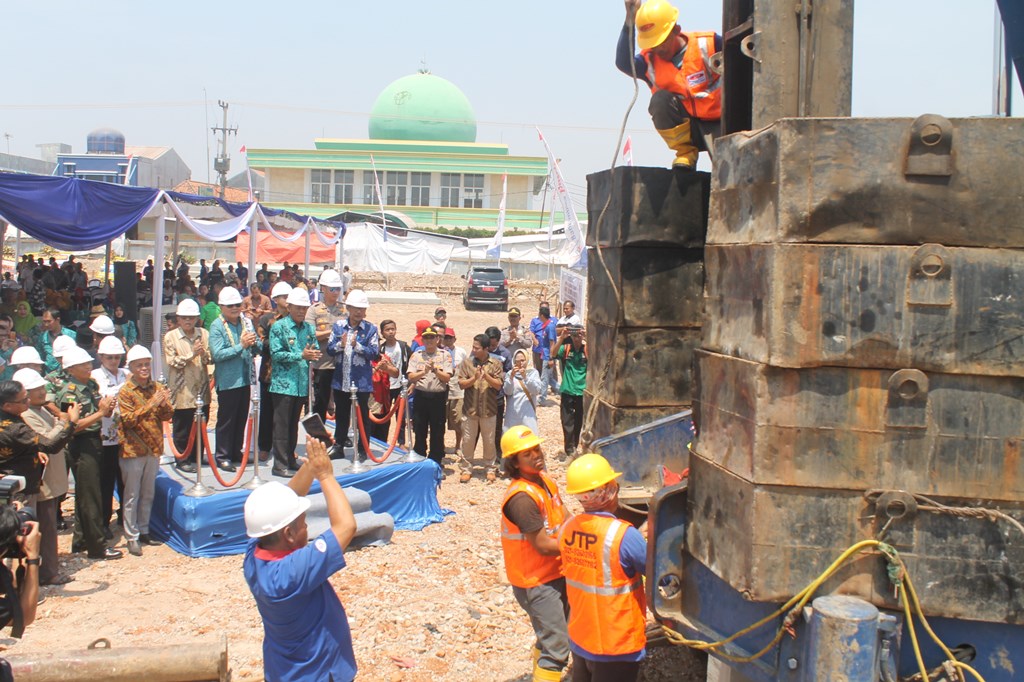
(213, 526)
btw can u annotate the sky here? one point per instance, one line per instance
(295, 72)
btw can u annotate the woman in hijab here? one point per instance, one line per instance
(24, 321)
(124, 328)
(522, 390)
(417, 341)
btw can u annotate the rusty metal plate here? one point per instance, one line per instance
(855, 180)
(658, 287)
(956, 310)
(859, 429)
(632, 206)
(769, 542)
(649, 366)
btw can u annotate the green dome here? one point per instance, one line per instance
(422, 107)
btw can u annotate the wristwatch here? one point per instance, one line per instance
(32, 562)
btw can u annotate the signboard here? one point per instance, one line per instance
(572, 286)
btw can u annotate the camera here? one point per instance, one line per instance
(10, 545)
(575, 330)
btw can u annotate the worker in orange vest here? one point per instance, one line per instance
(604, 560)
(531, 516)
(686, 92)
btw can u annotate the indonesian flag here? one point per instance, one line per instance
(627, 151)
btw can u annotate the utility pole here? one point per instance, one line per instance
(8, 136)
(222, 162)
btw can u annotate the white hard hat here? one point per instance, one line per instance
(75, 356)
(271, 507)
(281, 289)
(298, 297)
(187, 308)
(229, 296)
(111, 345)
(357, 299)
(26, 355)
(330, 278)
(102, 325)
(62, 344)
(29, 378)
(138, 352)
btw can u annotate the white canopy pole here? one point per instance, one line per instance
(309, 227)
(253, 243)
(158, 290)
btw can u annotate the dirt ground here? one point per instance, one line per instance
(432, 605)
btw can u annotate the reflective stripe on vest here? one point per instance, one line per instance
(524, 565)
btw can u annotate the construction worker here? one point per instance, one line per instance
(686, 93)
(531, 516)
(603, 561)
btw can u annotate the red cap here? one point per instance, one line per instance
(448, 331)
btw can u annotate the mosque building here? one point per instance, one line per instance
(432, 170)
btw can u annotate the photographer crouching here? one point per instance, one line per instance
(19, 590)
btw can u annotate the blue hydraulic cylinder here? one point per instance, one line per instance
(844, 640)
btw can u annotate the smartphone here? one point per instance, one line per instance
(314, 426)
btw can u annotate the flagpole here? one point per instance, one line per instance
(383, 224)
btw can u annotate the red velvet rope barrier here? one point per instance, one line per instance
(170, 440)
(386, 418)
(400, 403)
(245, 456)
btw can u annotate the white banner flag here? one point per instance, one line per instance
(494, 250)
(573, 233)
(380, 198)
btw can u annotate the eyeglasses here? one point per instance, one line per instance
(333, 290)
(232, 305)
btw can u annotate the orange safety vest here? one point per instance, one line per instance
(699, 87)
(525, 566)
(607, 608)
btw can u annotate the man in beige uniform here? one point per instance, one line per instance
(186, 355)
(322, 316)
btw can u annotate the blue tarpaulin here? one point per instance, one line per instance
(70, 213)
(214, 526)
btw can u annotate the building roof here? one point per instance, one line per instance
(146, 152)
(206, 189)
(422, 107)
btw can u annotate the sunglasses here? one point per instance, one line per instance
(334, 290)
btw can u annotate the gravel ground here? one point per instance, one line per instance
(432, 605)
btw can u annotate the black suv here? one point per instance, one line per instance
(485, 285)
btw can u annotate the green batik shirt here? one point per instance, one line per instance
(87, 395)
(289, 373)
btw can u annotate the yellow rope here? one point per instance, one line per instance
(793, 607)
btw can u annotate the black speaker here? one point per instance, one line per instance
(126, 289)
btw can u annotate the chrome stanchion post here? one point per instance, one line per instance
(165, 458)
(198, 489)
(353, 432)
(254, 414)
(410, 455)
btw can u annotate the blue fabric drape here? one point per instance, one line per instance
(71, 213)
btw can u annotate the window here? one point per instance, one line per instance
(396, 187)
(451, 184)
(370, 197)
(320, 186)
(344, 186)
(419, 187)
(473, 191)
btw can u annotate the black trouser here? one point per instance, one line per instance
(86, 454)
(343, 417)
(232, 413)
(287, 409)
(430, 416)
(266, 433)
(585, 670)
(181, 426)
(382, 432)
(110, 479)
(322, 391)
(667, 112)
(572, 420)
(499, 420)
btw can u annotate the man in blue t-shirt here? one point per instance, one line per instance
(306, 633)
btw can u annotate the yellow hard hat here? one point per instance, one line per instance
(654, 21)
(518, 439)
(588, 472)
